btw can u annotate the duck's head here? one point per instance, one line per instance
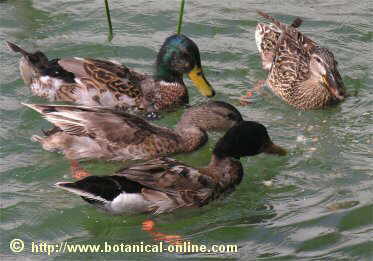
(247, 138)
(212, 115)
(323, 67)
(180, 55)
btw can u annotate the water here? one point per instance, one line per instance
(319, 205)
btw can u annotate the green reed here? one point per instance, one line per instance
(110, 36)
(181, 13)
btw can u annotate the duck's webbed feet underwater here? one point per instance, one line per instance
(149, 226)
(78, 172)
(258, 88)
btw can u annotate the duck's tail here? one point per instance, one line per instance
(17, 49)
(101, 188)
(115, 194)
(88, 189)
(37, 59)
(32, 64)
(297, 22)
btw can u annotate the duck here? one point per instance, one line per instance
(301, 72)
(82, 132)
(163, 185)
(94, 82)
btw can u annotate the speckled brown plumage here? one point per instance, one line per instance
(93, 132)
(303, 74)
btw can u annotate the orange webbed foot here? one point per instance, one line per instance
(259, 85)
(149, 226)
(245, 99)
(77, 171)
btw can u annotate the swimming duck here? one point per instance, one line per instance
(164, 184)
(101, 133)
(301, 72)
(93, 82)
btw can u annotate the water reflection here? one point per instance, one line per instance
(24, 13)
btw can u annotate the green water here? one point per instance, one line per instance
(320, 203)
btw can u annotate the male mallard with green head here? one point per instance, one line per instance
(94, 132)
(302, 73)
(164, 184)
(95, 82)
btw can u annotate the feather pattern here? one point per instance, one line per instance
(96, 132)
(288, 54)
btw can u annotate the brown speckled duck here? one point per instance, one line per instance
(164, 184)
(93, 82)
(302, 73)
(89, 132)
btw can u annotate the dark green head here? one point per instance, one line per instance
(247, 138)
(180, 55)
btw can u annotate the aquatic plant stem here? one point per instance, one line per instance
(110, 37)
(181, 13)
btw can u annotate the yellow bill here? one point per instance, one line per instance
(199, 80)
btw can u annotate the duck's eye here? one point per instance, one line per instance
(199, 73)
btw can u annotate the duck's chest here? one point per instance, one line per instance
(169, 95)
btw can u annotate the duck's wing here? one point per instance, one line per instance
(102, 124)
(267, 36)
(291, 54)
(170, 184)
(107, 72)
(273, 31)
(106, 76)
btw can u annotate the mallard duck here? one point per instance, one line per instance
(164, 184)
(95, 82)
(95, 132)
(302, 73)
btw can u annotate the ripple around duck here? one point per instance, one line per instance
(315, 203)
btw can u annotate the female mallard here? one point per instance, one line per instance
(302, 73)
(93, 132)
(164, 184)
(94, 82)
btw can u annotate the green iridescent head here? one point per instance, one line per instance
(180, 55)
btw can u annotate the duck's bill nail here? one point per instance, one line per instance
(334, 86)
(199, 80)
(275, 149)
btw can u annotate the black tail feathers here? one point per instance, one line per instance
(37, 60)
(16, 48)
(297, 22)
